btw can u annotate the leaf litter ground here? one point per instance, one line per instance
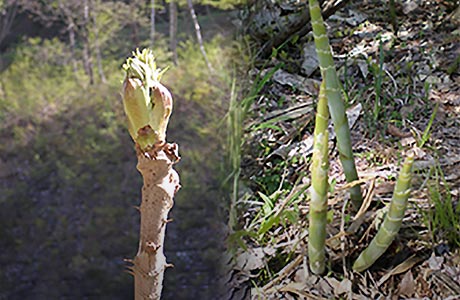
(410, 72)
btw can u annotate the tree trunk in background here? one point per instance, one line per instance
(152, 23)
(198, 33)
(2, 85)
(71, 31)
(134, 26)
(72, 48)
(96, 43)
(301, 28)
(7, 15)
(135, 35)
(173, 29)
(87, 63)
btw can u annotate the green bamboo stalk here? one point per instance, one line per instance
(392, 221)
(336, 105)
(319, 187)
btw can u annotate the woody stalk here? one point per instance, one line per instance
(148, 105)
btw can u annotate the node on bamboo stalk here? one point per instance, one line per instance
(148, 105)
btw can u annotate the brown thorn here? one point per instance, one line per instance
(151, 247)
(128, 260)
(166, 221)
(172, 151)
(152, 274)
(178, 186)
(169, 266)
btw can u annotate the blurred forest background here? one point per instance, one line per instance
(68, 178)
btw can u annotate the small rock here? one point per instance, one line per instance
(310, 60)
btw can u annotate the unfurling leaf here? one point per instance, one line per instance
(147, 103)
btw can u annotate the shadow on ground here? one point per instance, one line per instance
(68, 187)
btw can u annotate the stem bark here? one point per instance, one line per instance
(161, 182)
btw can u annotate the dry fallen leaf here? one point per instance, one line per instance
(407, 285)
(343, 287)
(401, 268)
(251, 259)
(298, 288)
(325, 287)
(435, 262)
(334, 283)
(395, 131)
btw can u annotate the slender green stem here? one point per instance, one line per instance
(334, 97)
(392, 222)
(378, 73)
(319, 187)
(393, 17)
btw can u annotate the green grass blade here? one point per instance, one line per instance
(427, 132)
(378, 84)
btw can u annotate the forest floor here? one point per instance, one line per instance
(402, 91)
